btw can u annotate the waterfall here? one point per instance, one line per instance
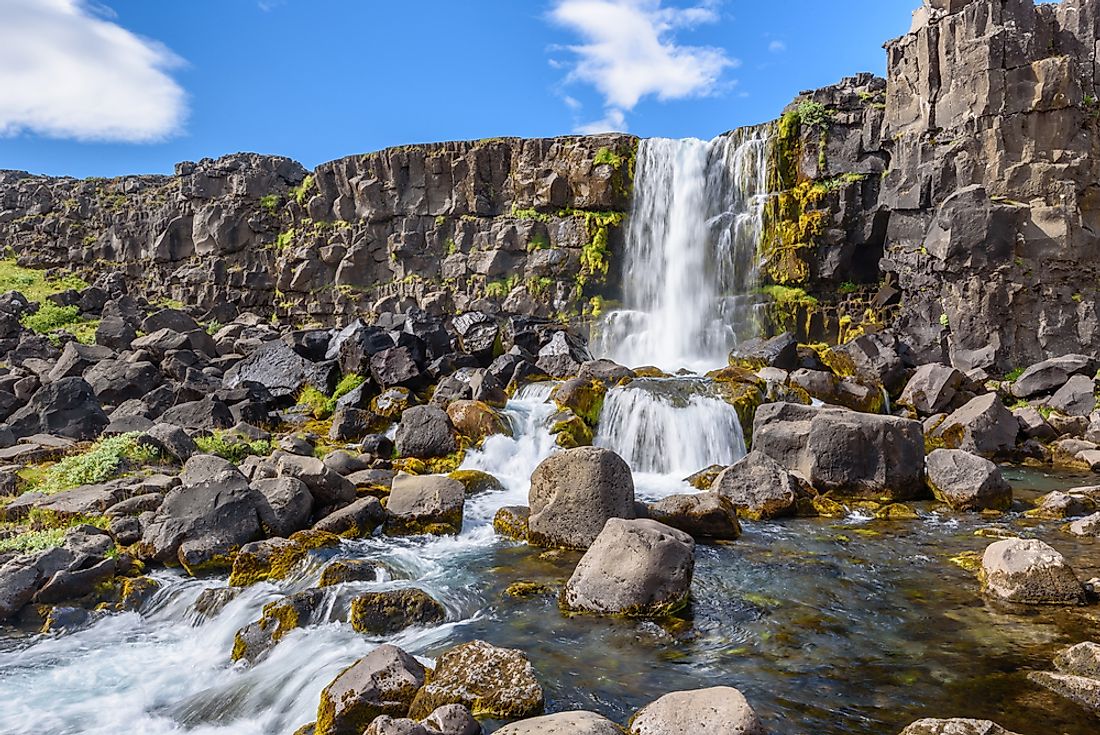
(671, 427)
(689, 267)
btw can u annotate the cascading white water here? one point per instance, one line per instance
(689, 269)
(670, 427)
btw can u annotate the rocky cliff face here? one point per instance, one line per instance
(529, 226)
(957, 200)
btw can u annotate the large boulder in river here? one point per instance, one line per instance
(563, 723)
(844, 452)
(67, 407)
(713, 711)
(703, 515)
(955, 726)
(390, 611)
(637, 568)
(494, 682)
(759, 487)
(1029, 572)
(202, 522)
(983, 426)
(425, 432)
(1049, 375)
(326, 485)
(424, 504)
(966, 481)
(383, 682)
(574, 493)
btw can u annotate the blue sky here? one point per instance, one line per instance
(133, 86)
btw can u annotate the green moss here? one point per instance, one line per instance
(500, 289)
(596, 253)
(606, 156)
(248, 569)
(571, 431)
(104, 460)
(510, 524)
(284, 240)
(233, 448)
(301, 193)
(320, 406)
(270, 202)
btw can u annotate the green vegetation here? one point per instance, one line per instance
(322, 406)
(33, 283)
(270, 202)
(539, 286)
(284, 240)
(452, 246)
(814, 114)
(847, 287)
(944, 320)
(1014, 374)
(104, 460)
(43, 530)
(606, 156)
(232, 447)
(500, 288)
(538, 242)
(596, 253)
(50, 317)
(301, 192)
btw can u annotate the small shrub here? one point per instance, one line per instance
(103, 461)
(270, 202)
(1014, 374)
(847, 287)
(814, 114)
(606, 156)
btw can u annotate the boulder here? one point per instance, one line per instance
(202, 522)
(703, 515)
(115, 381)
(1077, 397)
(983, 426)
(356, 520)
(398, 367)
(562, 356)
(277, 367)
(476, 420)
(780, 352)
(452, 719)
(1087, 526)
(932, 389)
(171, 441)
(424, 504)
(955, 726)
(573, 494)
(386, 613)
(1059, 504)
(563, 723)
(425, 432)
(67, 407)
(759, 487)
(1049, 375)
(966, 481)
(286, 506)
(207, 414)
(637, 568)
(844, 452)
(1082, 690)
(115, 333)
(492, 682)
(1082, 659)
(383, 682)
(327, 487)
(713, 711)
(252, 642)
(1029, 572)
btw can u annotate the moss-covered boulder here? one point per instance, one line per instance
(493, 682)
(476, 481)
(511, 522)
(253, 641)
(584, 397)
(342, 571)
(383, 613)
(570, 431)
(274, 558)
(477, 420)
(384, 682)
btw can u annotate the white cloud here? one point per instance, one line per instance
(777, 47)
(613, 122)
(630, 52)
(67, 71)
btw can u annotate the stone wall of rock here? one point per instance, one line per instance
(528, 226)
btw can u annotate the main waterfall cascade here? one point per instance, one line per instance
(689, 268)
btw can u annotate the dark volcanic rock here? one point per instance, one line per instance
(67, 407)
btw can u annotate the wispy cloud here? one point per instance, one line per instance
(68, 71)
(613, 122)
(630, 51)
(777, 47)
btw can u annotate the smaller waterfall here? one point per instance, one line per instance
(670, 427)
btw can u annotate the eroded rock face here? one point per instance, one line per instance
(638, 568)
(1029, 572)
(493, 682)
(714, 711)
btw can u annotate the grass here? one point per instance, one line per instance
(103, 461)
(51, 317)
(270, 202)
(231, 447)
(33, 283)
(43, 530)
(322, 406)
(1014, 374)
(301, 193)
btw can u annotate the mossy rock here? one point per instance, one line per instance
(971, 561)
(275, 558)
(584, 398)
(703, 479)
(476, 481)
(132, 592)
(745, 399)
(896, 512)
(649, 371)
(385, 613)
(433, 466)
(342, 571)
(741, 371)
(493, 682)
(392, 402)
(570, 431)
(276, 620)
(524, 590)
(511, 522)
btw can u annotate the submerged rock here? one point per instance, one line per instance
(714, 711)
(1028, 571)
(493, 682)
(383, 682)
(966, 481)
(703, 515)
(636, 568)
(574, 493)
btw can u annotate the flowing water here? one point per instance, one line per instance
(689, 266)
